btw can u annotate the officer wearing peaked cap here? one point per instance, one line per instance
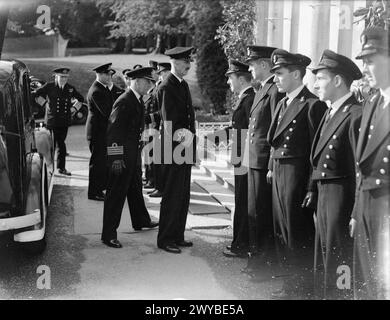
(150, 108)
(333, 176)
(371, 214)
(239, 80)
(125, 126)
(115, 90)
(178, 116)
(100, 100)
(257, 153)
(60, 94)
(153, 119)
(291, 134)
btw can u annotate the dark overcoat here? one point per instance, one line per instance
(333, 178)
(59, 114)
(372, 209)
(291, 136)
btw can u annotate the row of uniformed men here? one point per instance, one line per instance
(305, 158)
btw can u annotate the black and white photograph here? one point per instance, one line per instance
(194, 155)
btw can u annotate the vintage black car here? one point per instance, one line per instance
(26, 160)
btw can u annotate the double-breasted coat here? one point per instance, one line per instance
(239, 125)
(100, 100)
(291, 136)
(333, 179)
(177, 113)
(372, 209)
(59, 114)
(258, 153)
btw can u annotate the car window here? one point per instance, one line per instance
(26, 98)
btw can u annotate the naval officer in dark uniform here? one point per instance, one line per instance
(59, 118)
(370, 223)
(239, 80)
(100, 100)
(259, 191)
(333, 176)
(115, 90)
(178, 116)
(124, 130)
(291, 135)
(153, 119)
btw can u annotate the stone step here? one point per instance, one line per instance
(220, 171)
(223, 195)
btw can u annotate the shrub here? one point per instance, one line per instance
(211, 61)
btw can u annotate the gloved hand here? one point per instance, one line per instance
(117, 167)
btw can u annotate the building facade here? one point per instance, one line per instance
(309, 27)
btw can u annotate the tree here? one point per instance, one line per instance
(376, 14)
(162, 18)
(237, 32)
(80, 21)
(4, 11)
(211, 60)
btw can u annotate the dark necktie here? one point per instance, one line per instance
(326, 121)
(141, 101)
(283, 107)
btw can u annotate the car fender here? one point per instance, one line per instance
(34, 188)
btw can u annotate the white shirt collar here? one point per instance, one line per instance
(386, 96)
(136, 93)
(110, 86)
(242, 91)
(266, 80)
(105, 86)
(338, 103)
(292, 95)
(177, 77)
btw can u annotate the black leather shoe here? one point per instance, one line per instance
(184, 243)
(235, 254)
(97, 197)
(156, 194)
(171, 248)
(64, 172)
(151, 225)
(113, 243)
(229, 247)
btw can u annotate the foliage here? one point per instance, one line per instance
(210, 57)
(144, 17)
(237, 32)
(376, 14)
(80, 21)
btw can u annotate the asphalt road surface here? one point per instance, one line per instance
(81, 267)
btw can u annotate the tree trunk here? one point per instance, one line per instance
(129, 44)
(160, 44)
(3, 26)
